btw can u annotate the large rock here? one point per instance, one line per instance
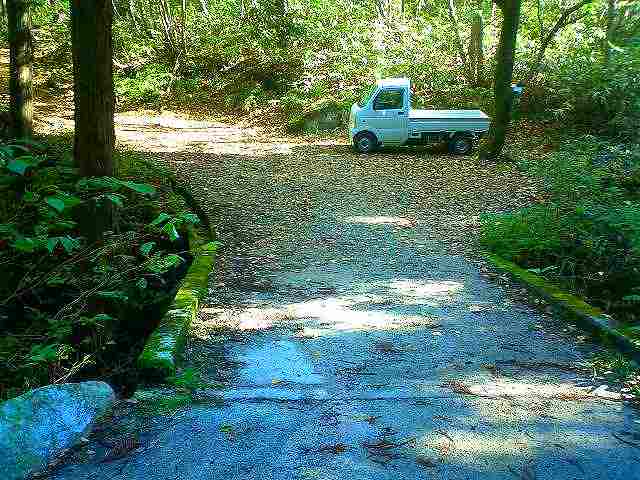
(41, 423)
(324, 114)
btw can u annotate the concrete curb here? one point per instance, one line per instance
(574, 309)
(164, 347)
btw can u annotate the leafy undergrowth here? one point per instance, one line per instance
(585, 231)
(72, 308)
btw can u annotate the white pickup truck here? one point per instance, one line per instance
(385, 118)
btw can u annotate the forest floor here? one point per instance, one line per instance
(351, 331)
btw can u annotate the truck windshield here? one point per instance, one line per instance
(366, 97)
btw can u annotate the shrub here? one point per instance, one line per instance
(146, 86)
(588, 234)
(594, 96)
(70, 307)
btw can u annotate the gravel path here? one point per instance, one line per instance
(349, 334)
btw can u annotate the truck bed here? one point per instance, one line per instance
(447, 120)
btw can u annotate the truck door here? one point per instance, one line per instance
(389, 116)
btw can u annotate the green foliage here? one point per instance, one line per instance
(588, 233)
(68, 306)
(614, 363)
(599, 97)
(170, 224)
(258, 57)
(146, 86)
(188, 380)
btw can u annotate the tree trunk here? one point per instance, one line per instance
(93, 87)
(476, 52)
(611, 14)
(183, 26)
(20, 77)
(170, 39)
(453, 17)
(205, 7)
(503, 96)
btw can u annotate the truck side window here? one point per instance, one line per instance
(389, 99)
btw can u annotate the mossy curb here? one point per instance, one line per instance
(571, 307)
(164, 347)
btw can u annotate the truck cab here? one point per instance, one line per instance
(384, 117)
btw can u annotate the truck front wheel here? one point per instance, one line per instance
(365, 142)
(461, 144)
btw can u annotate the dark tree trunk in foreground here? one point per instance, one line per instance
(93, 87)
(21, 56)
(503, 96)
(94, 106)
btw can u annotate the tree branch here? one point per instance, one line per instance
(563, 20)
(454, 21)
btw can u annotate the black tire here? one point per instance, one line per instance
(461, 144)
(365, 142)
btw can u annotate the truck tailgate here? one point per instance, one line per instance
(448, 121)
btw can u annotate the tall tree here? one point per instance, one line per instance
(453, 17)
(94, 106)
(476, 50)
(610, 29)
(502, 93)
(473, 59)
(21, 58)
(93, 86)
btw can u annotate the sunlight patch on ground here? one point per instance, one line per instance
(370, 309)
(472, 447)
(425, 289)
(381, 220)
(316, 317)
(447, 443)
(513, 389)
(336, 314)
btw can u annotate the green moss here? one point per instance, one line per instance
(544, 287)
(164, 404)
(623, 339)
(165, 345)
(633, 333)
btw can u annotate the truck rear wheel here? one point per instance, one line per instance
(461, 144)
(365, 142)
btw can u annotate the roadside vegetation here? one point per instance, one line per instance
(586, 232)
(71, 308)
(93, 242)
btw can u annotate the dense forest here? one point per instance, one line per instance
(269, 62)
(578, 60)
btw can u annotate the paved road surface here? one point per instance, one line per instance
(348, 335)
